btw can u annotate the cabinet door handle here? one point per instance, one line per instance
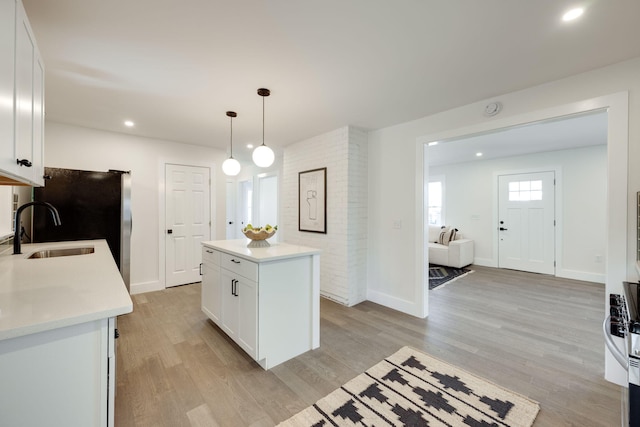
(201, 269)
(234, 287)
(24, 162)
(234, 261)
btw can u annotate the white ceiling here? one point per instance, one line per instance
(550, 135)
(175, 67)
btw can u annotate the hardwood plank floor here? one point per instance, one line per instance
(537, 335)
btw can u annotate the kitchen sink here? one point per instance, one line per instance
(51, 253)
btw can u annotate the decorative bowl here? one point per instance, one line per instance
(258, 238)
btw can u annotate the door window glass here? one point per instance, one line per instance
(524, 191)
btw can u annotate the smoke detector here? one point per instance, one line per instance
(492, 109)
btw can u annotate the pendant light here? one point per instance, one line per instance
(263, 156)
(231, 167)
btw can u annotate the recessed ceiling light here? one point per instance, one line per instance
(249, 146)
(129, 123)
(573, 14)
(478, 154)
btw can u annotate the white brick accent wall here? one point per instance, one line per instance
(343, 261)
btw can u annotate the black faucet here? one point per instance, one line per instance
(16, 236)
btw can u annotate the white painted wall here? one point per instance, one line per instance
(343, 261)
(394, 258)
(81, 148)
(581, 218)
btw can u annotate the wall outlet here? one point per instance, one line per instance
(397, 224)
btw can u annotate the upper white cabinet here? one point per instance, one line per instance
(21, 99)
(7, 66)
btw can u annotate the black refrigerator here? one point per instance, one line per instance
(92, 205)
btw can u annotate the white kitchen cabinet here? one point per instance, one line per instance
(239, 310)
(229, 298)
(22, 102)
(59, 377)
(269, 297)
(211, 303)
(7, 68)
(57, 335)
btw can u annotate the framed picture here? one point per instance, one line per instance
(312, 200)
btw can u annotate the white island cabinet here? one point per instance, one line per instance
(266, 299)
(57, 336)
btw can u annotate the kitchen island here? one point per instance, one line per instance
(57, 331)
(266, 299)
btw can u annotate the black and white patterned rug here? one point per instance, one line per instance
(411, 388)
(440, 275)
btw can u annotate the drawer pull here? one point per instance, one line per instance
(233, 260)
(209, 251)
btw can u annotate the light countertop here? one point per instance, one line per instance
(42, 294)
(277, 250)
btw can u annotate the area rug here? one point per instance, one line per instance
(440, 275)
(411, 388)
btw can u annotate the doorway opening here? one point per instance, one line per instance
(490, 199)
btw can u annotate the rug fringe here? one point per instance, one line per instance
(452, 280)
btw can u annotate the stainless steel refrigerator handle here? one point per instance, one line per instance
(613, 348)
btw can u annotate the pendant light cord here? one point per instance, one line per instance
(263, 120)
(231, 138)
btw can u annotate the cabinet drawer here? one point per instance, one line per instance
(239, 266)
(210, 256)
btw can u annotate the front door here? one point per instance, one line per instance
(526, 222)
(187, 216)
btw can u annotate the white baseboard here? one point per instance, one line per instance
(581, 275)
(405, 306)
(332, 297)
(560, 272)
(485, 262)
(139, 288)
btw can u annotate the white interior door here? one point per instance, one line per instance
(246, 203)
(187, 213)
(267, 201)
(526, 222)
(231, 226)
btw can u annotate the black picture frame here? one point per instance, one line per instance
(312, 201)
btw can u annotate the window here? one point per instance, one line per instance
(524, 191)
(436, 201)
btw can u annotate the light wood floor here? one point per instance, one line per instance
(536, 335)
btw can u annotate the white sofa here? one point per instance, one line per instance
(456, 253)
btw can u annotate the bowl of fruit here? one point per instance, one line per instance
(259, 235)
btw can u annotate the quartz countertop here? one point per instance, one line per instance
(47, 293)
(277, 250)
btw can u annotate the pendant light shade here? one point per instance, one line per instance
(231, 167)
(263, 156)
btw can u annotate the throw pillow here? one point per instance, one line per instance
(450, 236)
(444, 232)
